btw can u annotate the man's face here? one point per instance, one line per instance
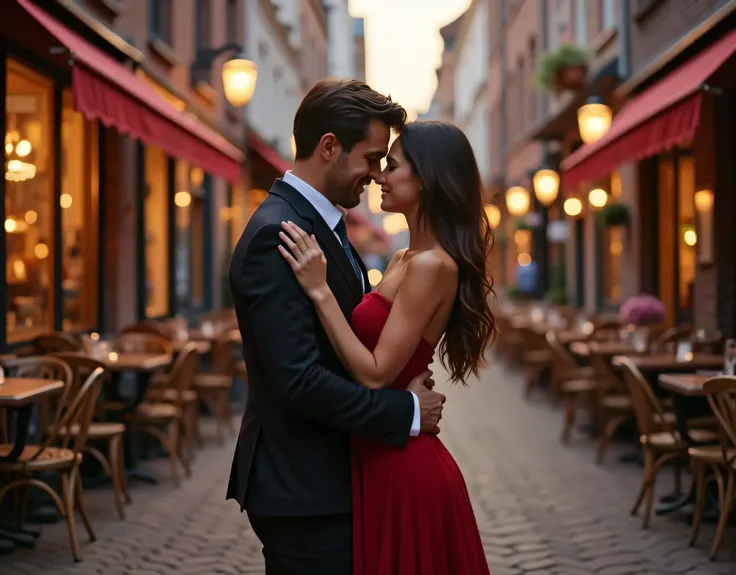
(352, 171)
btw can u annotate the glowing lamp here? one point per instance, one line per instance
(594, 120)
(239, 76)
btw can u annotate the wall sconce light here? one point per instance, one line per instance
(517, 201)
(598, 198)
(594, 120)
(546, 186)
(493, 214)
(573, 207)
(704, 206)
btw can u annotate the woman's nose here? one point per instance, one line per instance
(380, 178)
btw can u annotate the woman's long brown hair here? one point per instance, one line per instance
(452, 203)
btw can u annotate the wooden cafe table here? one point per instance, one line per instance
(18, 395)
(687, 384)
(668, 362)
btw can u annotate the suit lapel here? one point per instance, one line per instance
(326, 237)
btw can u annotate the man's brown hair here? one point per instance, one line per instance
(344, 108)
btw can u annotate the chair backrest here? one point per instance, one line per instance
(44, 367)
(561, 357)
(183, 371)
(147, 327)
(721, 394)
(223, 354)
(645, 403)
(606, 330)
(141, 342)
(55, 341)
(667, 341)
(79, 414)
(604, 372)
(81, 365)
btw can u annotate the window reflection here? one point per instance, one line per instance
(687, 236)
(28, 202)
(183, 204)
(157, 232)
(79, 218)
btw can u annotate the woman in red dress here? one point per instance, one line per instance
(411, 510)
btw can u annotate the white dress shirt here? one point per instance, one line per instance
(332, 215)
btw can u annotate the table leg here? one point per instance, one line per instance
(22, 421)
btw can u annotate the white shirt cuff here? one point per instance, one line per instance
(416, 423)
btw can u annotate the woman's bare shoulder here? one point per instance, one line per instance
(435, 264)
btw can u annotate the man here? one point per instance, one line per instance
(291, 470)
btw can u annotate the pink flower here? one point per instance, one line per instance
(643, 309)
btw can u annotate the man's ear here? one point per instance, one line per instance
(329, 147)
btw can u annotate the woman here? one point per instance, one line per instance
(411, 510)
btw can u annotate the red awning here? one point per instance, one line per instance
(105, 90)
(657, 119)
(268, 153)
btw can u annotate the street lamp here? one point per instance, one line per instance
(572, 207)
(493, 214)
(598, 198)
(594, 119)
(517, 201)
(239, 74)
(546, 186)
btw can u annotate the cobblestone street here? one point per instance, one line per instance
(542, 508)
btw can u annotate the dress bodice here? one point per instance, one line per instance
(369, 317)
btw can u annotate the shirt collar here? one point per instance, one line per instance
(330, 213)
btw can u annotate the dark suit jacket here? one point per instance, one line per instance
(292, 456)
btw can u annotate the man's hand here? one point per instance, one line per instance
(430, 403)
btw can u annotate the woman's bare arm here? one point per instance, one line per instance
(420, 295)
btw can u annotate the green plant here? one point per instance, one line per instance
(500, 237)
(513, 293)
(551, 63)
(616, 214)
(522, 224)
(557, 292)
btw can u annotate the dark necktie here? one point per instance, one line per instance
(342, 233)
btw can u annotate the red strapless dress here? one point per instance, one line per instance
(411, 509)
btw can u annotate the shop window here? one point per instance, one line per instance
(79, 218)
(183, 203)
(156, 210)
(29, 202)
(612, 248)
(686, 235)
(677, 233)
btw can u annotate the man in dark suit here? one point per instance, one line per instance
(291, 470)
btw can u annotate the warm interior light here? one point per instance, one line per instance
(517, 201)
(226, 213)
(524, 259)
(598, 198)
(11, 225)
(182, 199)
(374, 277)
(65, 201)
(594, 120)
(239, 77)
(31, 217)
(546, 186)
(493, 214)
(573, 207)
(23, 148)
(41, 251)
(690, 236)
(704, 201)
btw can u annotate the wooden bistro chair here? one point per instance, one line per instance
(55, 341)
(613, 402)
(213, 388)
(101, 432)
(172, 408)
(659, 439)
(570, 381)
(720, 459)
(64, 459)
(536, 358)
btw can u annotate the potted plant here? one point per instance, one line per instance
(615, 214)
(565, 69)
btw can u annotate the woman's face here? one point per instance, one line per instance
(400, 187)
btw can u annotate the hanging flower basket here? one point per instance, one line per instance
(614, 215)
(565, 69)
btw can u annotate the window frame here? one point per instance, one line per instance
(159, 26)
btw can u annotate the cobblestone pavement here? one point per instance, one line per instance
(542, 508)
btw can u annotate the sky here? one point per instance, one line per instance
(404, 46)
